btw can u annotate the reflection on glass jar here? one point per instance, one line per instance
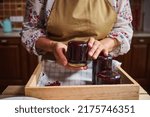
(108, 77)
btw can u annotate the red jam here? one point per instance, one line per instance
(77, 53)
(102, 63)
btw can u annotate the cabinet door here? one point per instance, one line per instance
(9, 62)
(28, 64)
(139, 61)
(126, 61)
(148, 67)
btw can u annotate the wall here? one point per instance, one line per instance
(146, 27)
(12, 8)
(141, 15)
(136, 7)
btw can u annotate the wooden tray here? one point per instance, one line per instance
(129, 90)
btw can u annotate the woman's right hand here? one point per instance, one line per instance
(59, 49)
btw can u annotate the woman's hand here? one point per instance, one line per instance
(59, 50)
(105, 45)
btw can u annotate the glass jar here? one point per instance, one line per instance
(77, 53)
(102, 63)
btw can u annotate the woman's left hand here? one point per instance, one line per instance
(105, 45)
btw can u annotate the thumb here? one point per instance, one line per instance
(62, 57)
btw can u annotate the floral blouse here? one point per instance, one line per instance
(37, 12)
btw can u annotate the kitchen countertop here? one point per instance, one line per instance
(14, 33)
(141, 34)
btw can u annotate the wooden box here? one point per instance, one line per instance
(129, 90)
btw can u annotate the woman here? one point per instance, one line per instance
(50, 24)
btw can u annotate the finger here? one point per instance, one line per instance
(61, 58)
(97, 52)
(94, 48)
(105, 51)
(91, 42)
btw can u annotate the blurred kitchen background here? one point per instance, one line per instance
(16, 65)
(13, 9)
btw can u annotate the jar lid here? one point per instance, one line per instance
(101, 55)
(77, 43)
(77, 64)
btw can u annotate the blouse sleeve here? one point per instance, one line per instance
(122, 30)
(33, 25)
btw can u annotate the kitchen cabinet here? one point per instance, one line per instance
(148, 67)
(16, 64)
(137, 61)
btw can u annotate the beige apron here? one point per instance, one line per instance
(80, 19)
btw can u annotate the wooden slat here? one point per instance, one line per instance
(87, 92)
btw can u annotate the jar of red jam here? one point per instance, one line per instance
(102, 63)
(77, 53)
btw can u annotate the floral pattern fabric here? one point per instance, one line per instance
(38, 11)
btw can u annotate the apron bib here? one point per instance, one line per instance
(80, 19)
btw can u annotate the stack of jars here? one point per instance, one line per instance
(102, 71)
(77, 55)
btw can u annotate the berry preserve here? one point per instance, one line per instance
(77, 53)
(102, 63)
